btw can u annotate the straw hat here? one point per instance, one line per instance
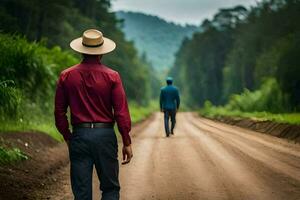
(92, 42)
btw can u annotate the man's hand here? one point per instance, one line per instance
(127, 154)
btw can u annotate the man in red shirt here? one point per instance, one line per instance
(96, 98)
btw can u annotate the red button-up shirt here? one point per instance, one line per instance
(94, 93)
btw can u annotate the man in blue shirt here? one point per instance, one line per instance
(169, 104)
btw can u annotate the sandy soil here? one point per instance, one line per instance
(30, 179)
(203, 160)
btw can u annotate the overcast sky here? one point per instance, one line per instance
(180, 11)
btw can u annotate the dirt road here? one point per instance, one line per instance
(204, 160)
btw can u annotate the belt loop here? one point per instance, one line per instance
(92, 125)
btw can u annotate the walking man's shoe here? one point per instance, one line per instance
(96, 98)
(169, 104)
(167, 134)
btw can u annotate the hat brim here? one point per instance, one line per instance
(108, 46)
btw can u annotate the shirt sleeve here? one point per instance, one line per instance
(177, 99)
(161, 99)
(121, 112)
(60, 111)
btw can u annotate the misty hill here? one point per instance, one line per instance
(155, 37)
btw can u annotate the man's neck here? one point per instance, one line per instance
(91, 59)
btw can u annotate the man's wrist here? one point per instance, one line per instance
(126, 141)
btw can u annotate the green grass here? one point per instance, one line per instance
(8, 156)
(12, 155)
(47, 126)
(139, 113)
(214, 112)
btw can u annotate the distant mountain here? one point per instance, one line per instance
(155, 37)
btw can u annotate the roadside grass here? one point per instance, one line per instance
(42, 126)
(214, 112)
(12, 155)
(46, 125)
(8, 156)
(139, 113)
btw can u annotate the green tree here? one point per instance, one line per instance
(57, 22)
(238, 52)
(288, 73)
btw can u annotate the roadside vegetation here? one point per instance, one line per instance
(8, 156)
(253, 105)
(216, 112)
(139, 113)
(244, 63)
(34, 49)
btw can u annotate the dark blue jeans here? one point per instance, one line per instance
(170, 114)
(99, 147)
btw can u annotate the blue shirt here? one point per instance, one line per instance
(169, 98)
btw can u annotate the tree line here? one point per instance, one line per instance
(245, 57)
(34, 48)
(155, 34)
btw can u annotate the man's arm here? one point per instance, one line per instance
(122, 116)
(161, 100)
(177, 99)
(60, 112)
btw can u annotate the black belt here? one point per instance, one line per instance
(94, 125)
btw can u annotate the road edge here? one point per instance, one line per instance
(281, 130)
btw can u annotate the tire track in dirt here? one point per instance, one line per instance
(283, 186)
(134, 176)
(240, 183)
(284, 163)
(204, 160)
(179, 170)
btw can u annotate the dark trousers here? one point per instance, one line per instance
(170, 114)
(99, 147)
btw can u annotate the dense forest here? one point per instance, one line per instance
(245, 59)
(34, 48)
(156, 34)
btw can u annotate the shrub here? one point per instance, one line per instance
(10, 99)
(20, 63)
(32, 71)
(268, 97)
(8, 156)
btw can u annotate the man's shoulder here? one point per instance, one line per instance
(170, 87)
(174, 88)
(76, 67)
(163, 88)
(68, 70)
(109, 70)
